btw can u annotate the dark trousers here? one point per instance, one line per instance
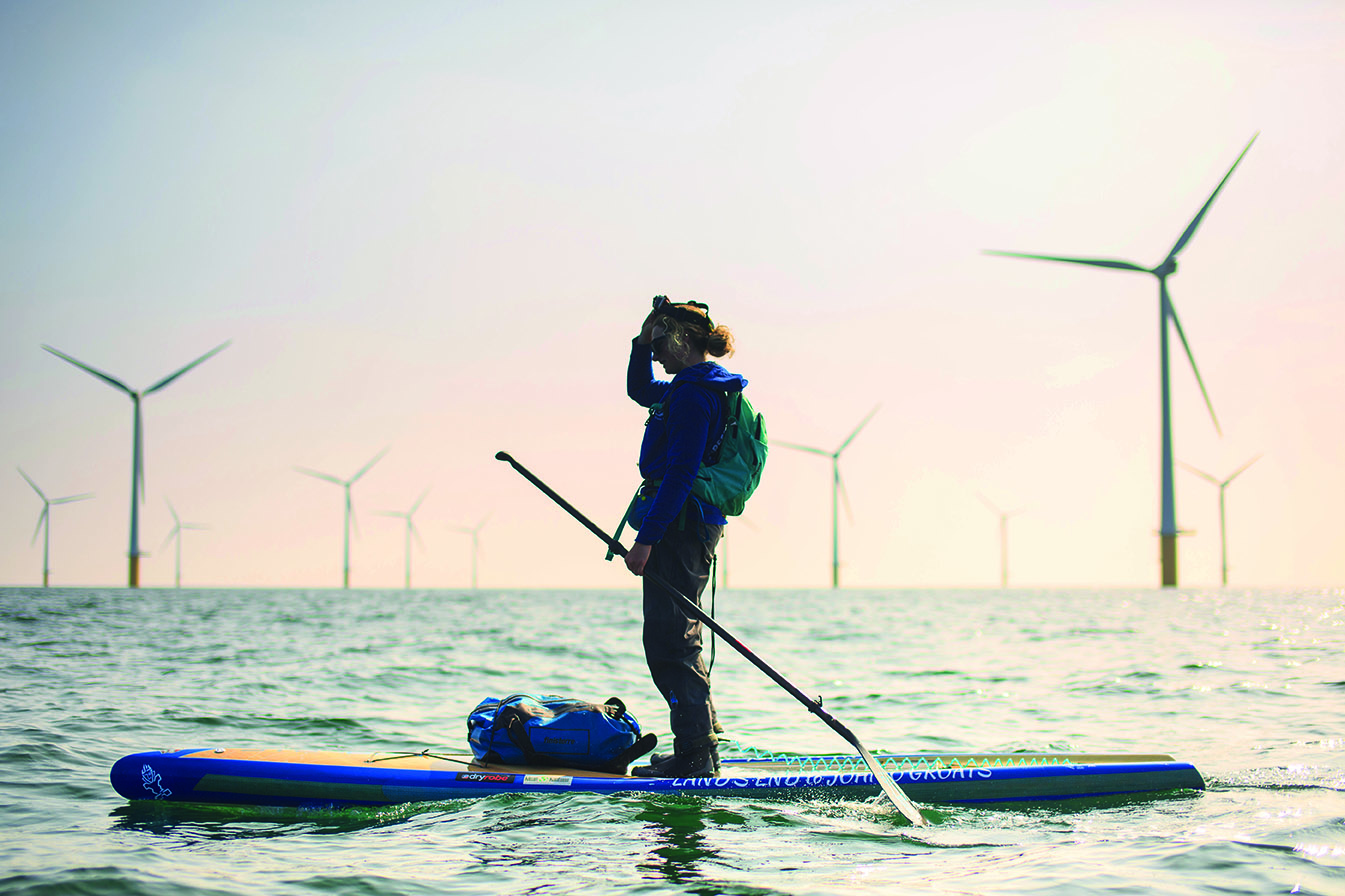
(672, 639)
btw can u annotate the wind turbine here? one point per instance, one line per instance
(1003, 539)
(44, 520)
(476, 541)
(137, 444)
(346, 484)
(1223, 538)
(176, 534)
(1167, 527)
(410, 529)
(837, 487)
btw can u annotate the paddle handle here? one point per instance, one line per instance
(612, 544)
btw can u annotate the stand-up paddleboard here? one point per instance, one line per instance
(318, 779)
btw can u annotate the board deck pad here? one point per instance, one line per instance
(326, 778)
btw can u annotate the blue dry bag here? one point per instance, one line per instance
(557, 732)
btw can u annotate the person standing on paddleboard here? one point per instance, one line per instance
(676, 531)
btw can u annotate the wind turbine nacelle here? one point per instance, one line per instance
(1166, 269)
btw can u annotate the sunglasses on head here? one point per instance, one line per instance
(680, 311)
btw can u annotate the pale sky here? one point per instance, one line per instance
(435, 226)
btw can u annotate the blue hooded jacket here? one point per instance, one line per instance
(677, 435)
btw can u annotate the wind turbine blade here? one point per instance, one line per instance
(807, 448)
(1172, 312)
(40, 519)
(1201, 473)
(416, 532)
(1094, 262)
(172, 376)
(316, 474)
(1241, 469)
(175, 531)
(481, 525)
(986, 501)
(107, 378)
(32, 483)
(172, 511)
(140, 451)
(365, 469)
(416, 506)
(1195, 222)
(72, 499)
(863, 423)
(845, 496)
(395, 513)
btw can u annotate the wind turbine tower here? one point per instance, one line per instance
(176, 534)
(1003, 539)
(837, 488)
(345, 484)
(476, 542)
(410, 530)
(1223, 530)
(44, 524)
(1167, 527)
(137, 444)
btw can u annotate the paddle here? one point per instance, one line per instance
(890, 788)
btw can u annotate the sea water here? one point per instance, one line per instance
(1247, 685)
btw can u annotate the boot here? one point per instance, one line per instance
(699, 759)
(658, 759)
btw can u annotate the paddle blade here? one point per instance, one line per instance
(172, 376)
(1195, 222)
(1092, 262)
(890, 788)
(107, 378)
(1172, 313)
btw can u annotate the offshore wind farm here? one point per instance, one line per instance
(359, 232)
(428, 234)
(1167, 315)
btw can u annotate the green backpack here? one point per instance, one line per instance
(732, 471)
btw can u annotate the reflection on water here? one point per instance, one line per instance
(674, 828)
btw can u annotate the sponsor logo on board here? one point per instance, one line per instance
(548, 780)
(153, 782)
(485, 777)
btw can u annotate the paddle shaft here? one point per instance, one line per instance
(691, 608)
